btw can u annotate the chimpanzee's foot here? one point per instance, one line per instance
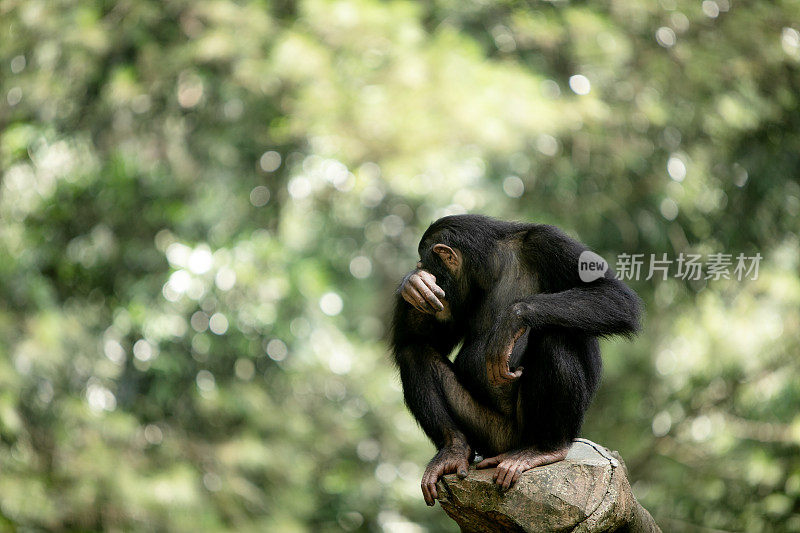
(511, 465)
(452, 458)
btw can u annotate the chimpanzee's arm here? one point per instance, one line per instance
(418, 341)
(605, 306)
(420, 344)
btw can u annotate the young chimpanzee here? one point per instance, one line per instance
(511, 294)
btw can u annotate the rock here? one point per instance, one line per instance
(588, 492)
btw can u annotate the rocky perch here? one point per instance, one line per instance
(588, 492)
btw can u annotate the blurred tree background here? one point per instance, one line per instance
(206, 206)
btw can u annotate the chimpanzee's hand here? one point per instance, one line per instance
(501, 343)
(453, 458)
(419, 289)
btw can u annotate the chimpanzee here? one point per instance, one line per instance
(510, 293)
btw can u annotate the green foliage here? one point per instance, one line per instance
(205, 206)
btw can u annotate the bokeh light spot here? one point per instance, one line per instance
(190, 90)
(276, 350)
(100, 398)
(580, 84)
(676, 168)
(790, 41)
(360, 267)
(299, 187)
(14, 96)
(143, 350)
(665, 36)
(218, 324)
(513, 186)
(340, 362)
(225, 279)
(114, 351)
(331, 304)
(668, 208)
(199, 321)
(550, 89)
(368, 450)
(710, 9)
(701, 428)
(385, 473)
(393, 225)
(153, 434)
(270, 161)
(205, 381)
(259, 196)
(18, 64)
(200, 260)
(244, 369)
(547, 144)
(212, 482)
(662, 423)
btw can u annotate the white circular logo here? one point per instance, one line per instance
(591, 266)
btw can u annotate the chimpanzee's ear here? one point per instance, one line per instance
(451, 258)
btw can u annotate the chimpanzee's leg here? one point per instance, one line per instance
(423, 390)
(555, 390)
(487, 429)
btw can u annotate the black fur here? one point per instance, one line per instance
(533, 269)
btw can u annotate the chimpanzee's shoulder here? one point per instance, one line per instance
(546, 235)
